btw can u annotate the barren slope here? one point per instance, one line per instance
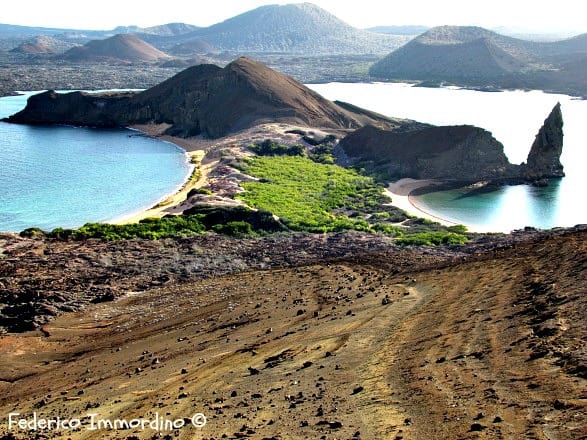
(122, 47)
(488, 347)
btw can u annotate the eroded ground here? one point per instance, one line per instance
(489, 347)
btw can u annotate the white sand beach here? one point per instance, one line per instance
(400, 197)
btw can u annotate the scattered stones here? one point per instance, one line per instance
(358, 389)
(477, 427)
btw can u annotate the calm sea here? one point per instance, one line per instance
(62, 176)
(514, 118)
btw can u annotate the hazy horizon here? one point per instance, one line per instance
(521, 16)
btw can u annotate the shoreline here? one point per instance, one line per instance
(173, 199)
(402, 196)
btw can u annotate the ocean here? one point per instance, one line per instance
(60, 176)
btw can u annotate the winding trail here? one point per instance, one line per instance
(487, 348)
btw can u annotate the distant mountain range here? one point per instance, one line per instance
(461, 55)
(169, 29)
(295, 28)
(474, 56)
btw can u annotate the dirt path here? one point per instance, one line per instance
(491, 348)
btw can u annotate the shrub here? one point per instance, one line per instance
(152, 228)
(304, 194)
(459, 229)
(195, 191)
(434, 238)
(234, 229)
(271, 148)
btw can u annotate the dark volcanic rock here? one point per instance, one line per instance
(204, 99)
(459, 153)
(453, 152)
(544, 157)
(76, 108)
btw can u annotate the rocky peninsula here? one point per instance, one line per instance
(461, 153)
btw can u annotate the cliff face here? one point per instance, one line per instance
(544, 157)
(204, 99)
(464, 153)
(453, 152)
(76, 108)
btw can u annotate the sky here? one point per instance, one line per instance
(525, 15)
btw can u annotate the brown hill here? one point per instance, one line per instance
(43, 44)
(122, 47)
(453, 53)
(477, 57)
(204, 99)
(193, 47)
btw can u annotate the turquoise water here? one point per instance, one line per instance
(514, 118)
(59, 176)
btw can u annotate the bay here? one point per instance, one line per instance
(514, 118)
(61, 176)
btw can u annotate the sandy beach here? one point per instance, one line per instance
(194, 148)
(400, 196)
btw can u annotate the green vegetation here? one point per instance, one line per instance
(459, 229)
(236, 221)
(322, 154)
(318, 197)
(312, 197)
(151, 228)
(271, 148)
(234, 229)
(432, 238)
(195, 191)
